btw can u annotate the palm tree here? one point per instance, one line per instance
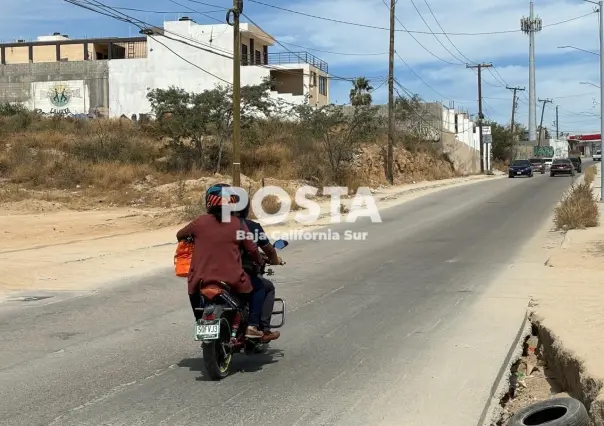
(360, 94)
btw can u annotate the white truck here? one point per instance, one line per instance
(598, 155)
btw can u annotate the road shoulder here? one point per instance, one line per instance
(566, 308)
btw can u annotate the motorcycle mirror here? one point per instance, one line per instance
(280, 244)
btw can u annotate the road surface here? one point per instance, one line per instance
(395, 330)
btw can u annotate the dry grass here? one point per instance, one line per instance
(117, 162)
(578, 209)
(590, 174)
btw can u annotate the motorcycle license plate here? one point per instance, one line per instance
(207, 331)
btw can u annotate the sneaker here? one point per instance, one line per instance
(269, 336)
(253, 333)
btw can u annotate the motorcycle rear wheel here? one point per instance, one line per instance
(217, 365)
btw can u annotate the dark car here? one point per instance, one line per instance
(577, 163)
(520, 168)
(538, 165)
(562, 166)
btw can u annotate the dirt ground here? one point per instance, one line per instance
(47, 247)
(566, 290)
(532, 381)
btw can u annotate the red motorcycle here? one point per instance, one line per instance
(221, 329)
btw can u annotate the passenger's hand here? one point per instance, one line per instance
(281, 261)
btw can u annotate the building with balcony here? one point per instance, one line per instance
(112, 76)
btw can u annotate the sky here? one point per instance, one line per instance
(429, 64)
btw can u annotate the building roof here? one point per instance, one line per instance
(66, 40)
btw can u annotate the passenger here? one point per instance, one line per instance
(217, 256)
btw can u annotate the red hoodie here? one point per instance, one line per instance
(217, 255)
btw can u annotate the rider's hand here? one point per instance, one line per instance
(281, 261)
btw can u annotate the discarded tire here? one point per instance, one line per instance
(553, 412)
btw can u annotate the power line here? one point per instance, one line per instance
(445, 33)
(161, 12)
(435, 36)
(417, 41)
(574, 96)
(287, 49)
(94, 6)
(417, 113)
(191, 63)
(421, 79)
(101, 5)
(336, 53)
(196, 11)
(356, 24)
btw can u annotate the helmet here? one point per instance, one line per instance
(215, 197)
(244, 212)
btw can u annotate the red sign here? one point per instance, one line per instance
(592, 137)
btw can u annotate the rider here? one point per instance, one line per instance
(264, 243)
(217, 256)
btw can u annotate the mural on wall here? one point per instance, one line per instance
(60, 97)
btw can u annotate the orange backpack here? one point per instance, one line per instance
(182, 258)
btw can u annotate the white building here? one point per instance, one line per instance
(112, 76)
(174, 57)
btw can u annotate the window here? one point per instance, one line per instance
(244, 54)
(313, 79)
(323, 85)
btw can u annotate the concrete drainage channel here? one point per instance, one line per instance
(541, 371)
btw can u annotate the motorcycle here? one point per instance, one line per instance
(221, 328)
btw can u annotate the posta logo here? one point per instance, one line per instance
(363, 204)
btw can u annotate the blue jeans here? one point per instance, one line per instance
(256, 301)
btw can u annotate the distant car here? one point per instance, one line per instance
(538, 165)
(577, 163)
(562, 166)
(548, 162)
(520, 168)
(598, 155)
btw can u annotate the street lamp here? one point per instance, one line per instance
(591, 84)
(600, 5)
(578, 48)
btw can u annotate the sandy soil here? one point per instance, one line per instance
(46, 247)
(564, 276)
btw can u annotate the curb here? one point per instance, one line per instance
(437, 185)
(502, 382)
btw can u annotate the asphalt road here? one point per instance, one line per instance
(382, 331)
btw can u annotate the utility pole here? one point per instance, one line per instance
(530, 26)
(390, 165)
(235, 12)
(480, 115)
(601, 13)
(601, 7)
(545, 101)
(514, 105)
(557, 125)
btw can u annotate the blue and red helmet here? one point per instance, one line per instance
(216, 195)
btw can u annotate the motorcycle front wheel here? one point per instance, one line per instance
(217, 354)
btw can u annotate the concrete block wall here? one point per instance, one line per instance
(16, 79)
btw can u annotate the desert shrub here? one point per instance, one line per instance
(578, 209)
(590, 174)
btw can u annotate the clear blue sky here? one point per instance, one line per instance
(353, 50)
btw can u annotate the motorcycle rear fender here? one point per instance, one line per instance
(212, 309)
(214, 293)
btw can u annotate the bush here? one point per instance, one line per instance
(191, 137)
(578, 209)
(590, 174)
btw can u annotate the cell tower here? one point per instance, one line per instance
(530, 26)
